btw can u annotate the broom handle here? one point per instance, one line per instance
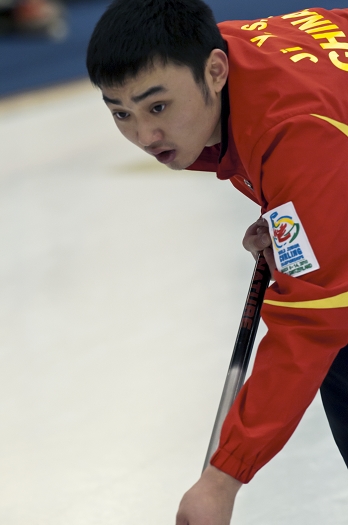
(242, 350)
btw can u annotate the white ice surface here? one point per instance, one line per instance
(121, 289)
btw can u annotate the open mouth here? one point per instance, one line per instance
(166, 156)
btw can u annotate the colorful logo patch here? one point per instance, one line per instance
(292, 251)
(285, 230)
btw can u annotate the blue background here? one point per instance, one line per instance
(29, 63)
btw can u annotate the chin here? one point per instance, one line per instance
(176, 167)
(178, 164)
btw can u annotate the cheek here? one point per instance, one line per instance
(192, 121)
(127, 132)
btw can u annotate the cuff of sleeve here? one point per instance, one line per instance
(233, 466)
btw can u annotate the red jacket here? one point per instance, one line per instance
(288, 140)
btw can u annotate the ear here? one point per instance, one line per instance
(217, 69)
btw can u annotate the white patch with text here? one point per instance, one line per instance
(292, 251)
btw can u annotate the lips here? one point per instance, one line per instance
(165, 157)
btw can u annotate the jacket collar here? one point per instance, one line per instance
(225, 115)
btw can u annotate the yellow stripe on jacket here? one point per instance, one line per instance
(338, 301)
(339, 125)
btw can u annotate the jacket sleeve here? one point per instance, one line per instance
(303, 160)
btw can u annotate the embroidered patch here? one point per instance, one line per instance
(292, 251)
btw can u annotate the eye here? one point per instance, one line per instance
(158, 108)
(121, 115)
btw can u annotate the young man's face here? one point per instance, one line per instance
(165, 112)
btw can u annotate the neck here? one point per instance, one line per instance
(216, 135)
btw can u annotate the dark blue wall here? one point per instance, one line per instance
(31, 63)
(249, 9)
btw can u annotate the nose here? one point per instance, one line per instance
(147, 134)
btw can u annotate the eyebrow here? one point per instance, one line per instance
(138, 98)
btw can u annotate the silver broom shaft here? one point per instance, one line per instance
(242, 350)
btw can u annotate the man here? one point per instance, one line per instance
(264, 104)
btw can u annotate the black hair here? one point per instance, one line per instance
(132, 34)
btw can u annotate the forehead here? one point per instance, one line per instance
(169, 78)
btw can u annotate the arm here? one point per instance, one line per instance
(210, 501)
(306, 315)
(302, 341)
